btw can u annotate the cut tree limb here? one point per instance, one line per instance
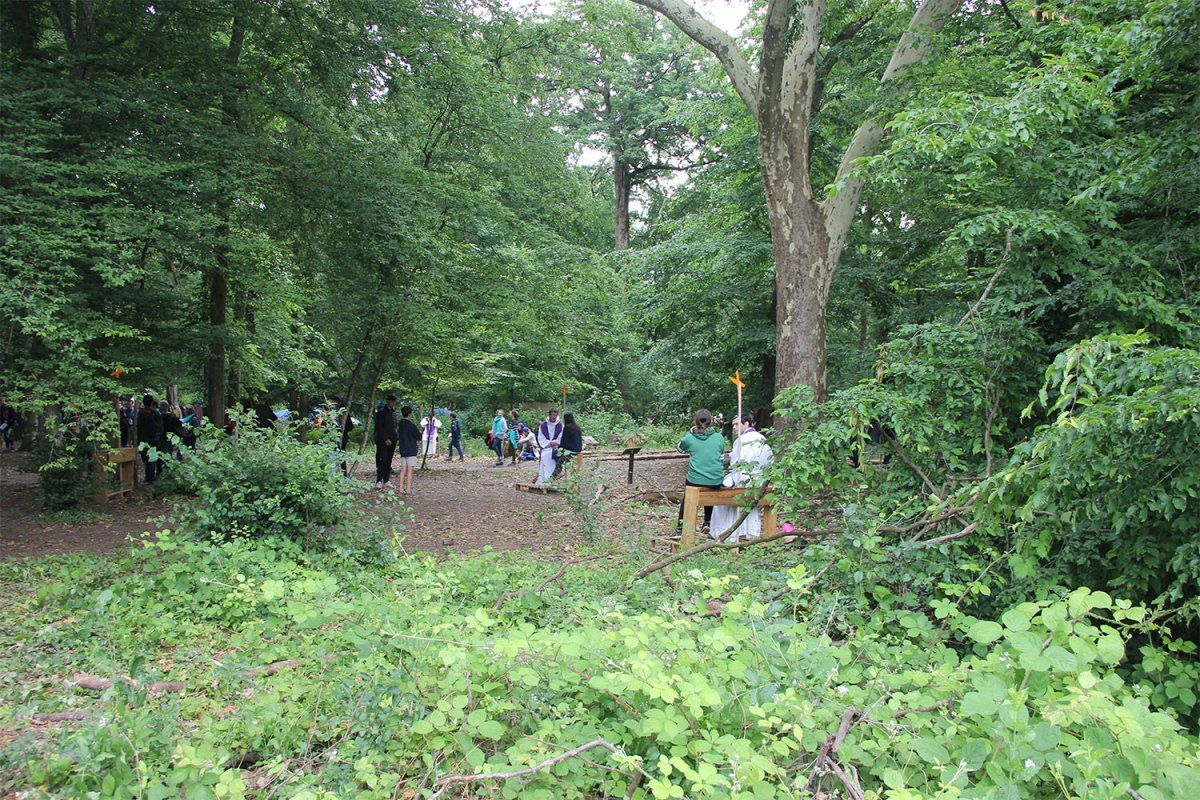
(442, 785)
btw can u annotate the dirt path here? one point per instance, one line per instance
(456, 507)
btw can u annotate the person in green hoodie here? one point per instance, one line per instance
(706, 449)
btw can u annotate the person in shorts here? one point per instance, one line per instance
(408, 439)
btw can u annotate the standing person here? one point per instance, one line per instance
(9, 422)
(408, 437)
(149, 434)
(385, 440)
(499, 434)
(455, 437)
(549, 437)
(171, 427)
(572, 440)
(430, 425)
(705, 447)
(514, 433)
(750, 456)
(125, 420)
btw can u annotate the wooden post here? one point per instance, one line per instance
(691, 510)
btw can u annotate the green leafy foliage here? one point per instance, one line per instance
(262, 482)
(1105, 493)
(386, 669)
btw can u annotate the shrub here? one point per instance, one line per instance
(262, 482)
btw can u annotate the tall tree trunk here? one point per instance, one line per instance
(802, 280)
(349, 396)
(362, 447)
(621, 184)
(214, 368)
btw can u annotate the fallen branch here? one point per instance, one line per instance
(60, 716)
(715, 544)
(158, 687)
(104, 684)
(904, 712)
(445, 783)
(948, 537)
(827, 762)
(903, 454)
(511, 594)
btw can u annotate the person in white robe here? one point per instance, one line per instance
(750, 456)
(429, 435)
(548, 434)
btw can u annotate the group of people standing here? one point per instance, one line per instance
(155, 428)
(556, 440)
(391, 436)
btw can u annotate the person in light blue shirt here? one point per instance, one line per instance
(499, 434)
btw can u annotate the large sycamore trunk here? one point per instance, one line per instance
(802, 278)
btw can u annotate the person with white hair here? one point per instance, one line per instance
(751, 455)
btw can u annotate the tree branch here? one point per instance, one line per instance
(445, 783)
(903, 454)
(1008, 242)
(715, 41)
(841, 206)
(716, 544)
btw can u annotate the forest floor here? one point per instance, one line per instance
(456, 507)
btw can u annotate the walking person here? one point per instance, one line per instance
(549, 436)
(455, 437)
(705, 447)
(149, 437)
(499, 434)
(385, 440)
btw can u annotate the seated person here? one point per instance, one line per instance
(751, 455)
(525, 442)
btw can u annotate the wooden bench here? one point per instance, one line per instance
(696, 498)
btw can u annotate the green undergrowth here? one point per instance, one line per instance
(402, 676)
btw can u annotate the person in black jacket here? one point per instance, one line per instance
(455, 436)
(171, 427)
(409, 437)
(572, 441)
(385, 440)
(150, 435)
(9, 421)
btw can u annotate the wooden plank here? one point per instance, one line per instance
(535, 489)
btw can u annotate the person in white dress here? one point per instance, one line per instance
(429, 435)
(751, 455)
(548, 434)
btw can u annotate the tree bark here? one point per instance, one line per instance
(217, 280)
(622, 185)
(214, 368)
